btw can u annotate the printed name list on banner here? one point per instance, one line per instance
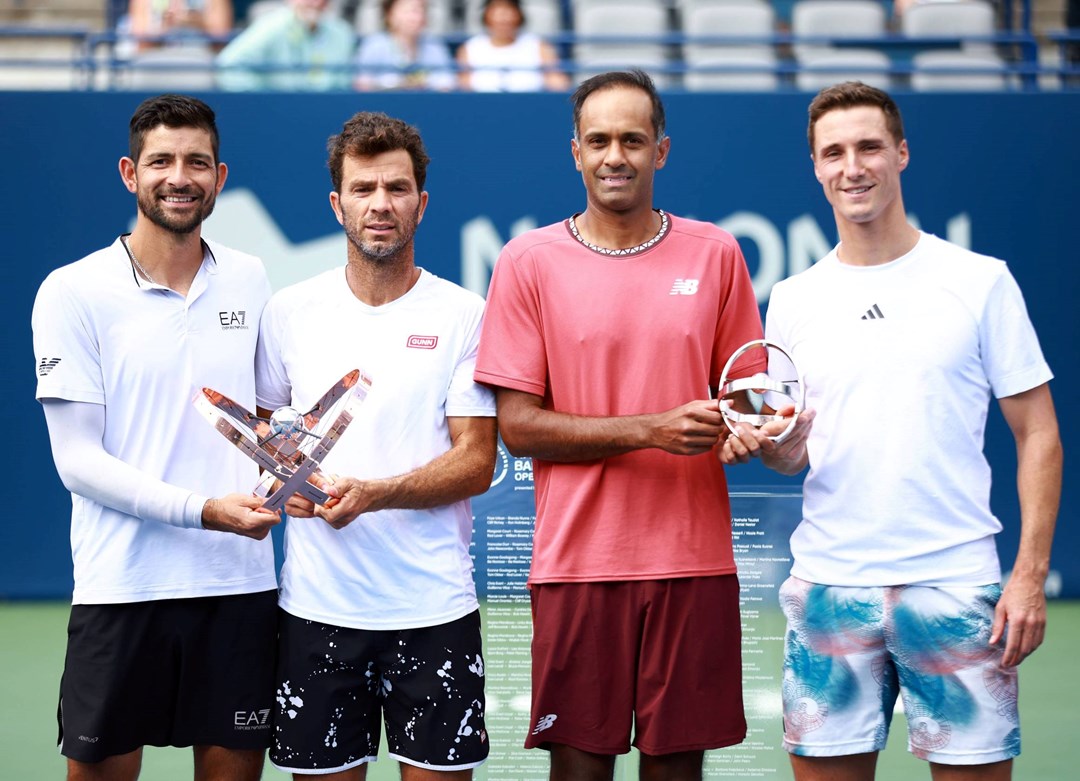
(502, 547)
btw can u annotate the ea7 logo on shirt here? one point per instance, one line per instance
(233, 321)
(46, 366)
(422, 342)
(255, 719)
(684, 287)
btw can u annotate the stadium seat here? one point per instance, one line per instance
(951, 19)
(958, 71)
(941, 66)
(823, 68)
(626, 19)
(823, 62)
(261, 7)
(835, 20)
(729, 66)
(181, 67)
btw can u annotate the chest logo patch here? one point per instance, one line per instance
(235, 320)
(422, 342)
(684, 287)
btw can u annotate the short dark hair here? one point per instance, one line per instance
(635, 78)
(386, 5)
(171, 111)
(852, 94)
(372, 133)
(515, 4)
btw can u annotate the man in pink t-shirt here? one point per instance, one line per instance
(605, 336)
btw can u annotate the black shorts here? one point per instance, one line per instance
(336, 685)
(171, 672)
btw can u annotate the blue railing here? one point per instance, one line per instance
(94, 64)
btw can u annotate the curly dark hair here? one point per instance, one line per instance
(372, 133)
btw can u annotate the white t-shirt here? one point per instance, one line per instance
(513, 68)
(899, 361)
(392, 569)
(104, 336)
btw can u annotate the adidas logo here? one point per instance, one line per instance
(873, 313)
(46, 366)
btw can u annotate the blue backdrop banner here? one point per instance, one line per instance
(995, 173)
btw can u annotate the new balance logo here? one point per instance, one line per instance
(684, 287)
(544, 722)
(873, 313)
(46, 366)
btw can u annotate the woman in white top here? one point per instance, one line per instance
(506, 58)
(406, 56)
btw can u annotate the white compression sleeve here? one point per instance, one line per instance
(76, 432)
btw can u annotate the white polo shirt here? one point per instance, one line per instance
(103, 335)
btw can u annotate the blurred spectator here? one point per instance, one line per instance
(176, 19)
(302, 46)
(405, 56)
(506, 58)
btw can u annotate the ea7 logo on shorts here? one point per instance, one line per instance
(255, 719)
(46, 366)
(233, 321)
(544, 722)
(684, 287)
(422, 342)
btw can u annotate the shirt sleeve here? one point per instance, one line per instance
(512, 350)
(87, 469)
(272, 386)
(1012, 358)
(738, 321)
(66, 352)
(467, 398)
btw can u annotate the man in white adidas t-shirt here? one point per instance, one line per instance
(380, 622)
(173, 614)
(902, 339)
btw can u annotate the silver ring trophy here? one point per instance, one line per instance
(778, 386)
(289, 445)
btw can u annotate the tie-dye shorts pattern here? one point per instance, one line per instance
(849, 652)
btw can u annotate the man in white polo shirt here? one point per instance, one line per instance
(173, 621)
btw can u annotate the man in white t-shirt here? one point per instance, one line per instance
(901, 339)
(173, 614)
(380, 623)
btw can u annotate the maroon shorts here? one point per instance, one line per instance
(661, 655)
